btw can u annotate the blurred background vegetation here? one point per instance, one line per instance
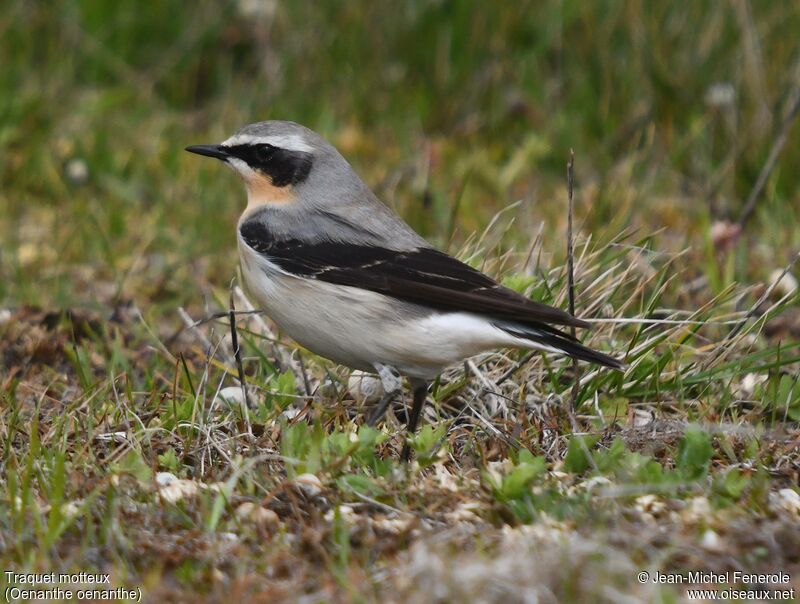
(450, 110)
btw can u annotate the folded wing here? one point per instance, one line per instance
(423, 276)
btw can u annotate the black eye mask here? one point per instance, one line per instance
(283, 166)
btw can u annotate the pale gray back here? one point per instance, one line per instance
(333, 203)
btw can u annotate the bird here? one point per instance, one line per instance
(345, 277)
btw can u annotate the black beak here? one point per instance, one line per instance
(217, 151)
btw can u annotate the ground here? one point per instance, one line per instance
(126, 447)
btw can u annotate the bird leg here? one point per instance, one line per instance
(420, 388)
(392, 385)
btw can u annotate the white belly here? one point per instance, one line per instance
(358, 328)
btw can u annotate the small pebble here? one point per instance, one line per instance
(346, 513)
(77, 171)
(232, 395)
(258, 515)
(720, 94)
(711, 541)
(788, 500)
(785, 284)
(173, 489)
(309, 484)
(165, 478)
(365, 388)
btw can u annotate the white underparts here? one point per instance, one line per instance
(364, 329)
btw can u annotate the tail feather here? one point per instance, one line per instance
(549, 337)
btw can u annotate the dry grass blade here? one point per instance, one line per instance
(793, 108)
(571, 270)
(247, 403)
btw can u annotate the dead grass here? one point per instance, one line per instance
(445, 528)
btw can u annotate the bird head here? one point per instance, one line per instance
(280, 162)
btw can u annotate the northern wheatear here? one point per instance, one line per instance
(343, 275)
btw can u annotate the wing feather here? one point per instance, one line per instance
(422, 276)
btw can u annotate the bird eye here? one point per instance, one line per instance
(264, 152)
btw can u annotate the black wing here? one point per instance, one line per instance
(423, 276)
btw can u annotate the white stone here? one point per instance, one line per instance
(785, 283)
(750, 381)
(309, 484)
(346, 513)
(788, 500)
(165, 478)
(365, 388)
(173, 489)
(720, 94)
(77, 171)
(258, 515)
(710, 540)
(232, 395)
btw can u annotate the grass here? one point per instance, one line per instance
(124, 445)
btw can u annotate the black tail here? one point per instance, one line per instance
(563, 342)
